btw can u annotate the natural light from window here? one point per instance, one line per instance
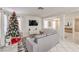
(19, 21)
(45, 24)
(54, 24)
(5, 23)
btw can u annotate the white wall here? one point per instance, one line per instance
(25, 24)
(2, 36)
(0, 28)
(62, 23)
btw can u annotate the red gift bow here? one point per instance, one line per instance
(15, 40)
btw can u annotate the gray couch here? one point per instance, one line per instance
(43, 42)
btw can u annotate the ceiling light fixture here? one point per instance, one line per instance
(40, 8)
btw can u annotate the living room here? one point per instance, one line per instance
(40, 22)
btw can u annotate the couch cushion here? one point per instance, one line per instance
(40, 36)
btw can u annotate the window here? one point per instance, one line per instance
(54, 24)
(5, 23)
(45, 24)
(51, 23)
(19, 21)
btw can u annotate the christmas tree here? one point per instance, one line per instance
(13, 28)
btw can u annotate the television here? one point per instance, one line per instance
(33, 23)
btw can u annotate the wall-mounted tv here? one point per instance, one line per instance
(33, 23)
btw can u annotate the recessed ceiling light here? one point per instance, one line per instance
(40, 8)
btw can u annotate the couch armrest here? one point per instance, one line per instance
(31, 45)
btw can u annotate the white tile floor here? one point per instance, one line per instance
(9, 49)
(65, 46)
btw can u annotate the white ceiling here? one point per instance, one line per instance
(47, 11)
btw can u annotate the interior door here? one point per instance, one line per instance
(77, 30)
(77, 25)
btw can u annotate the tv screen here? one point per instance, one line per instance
(33, 23)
